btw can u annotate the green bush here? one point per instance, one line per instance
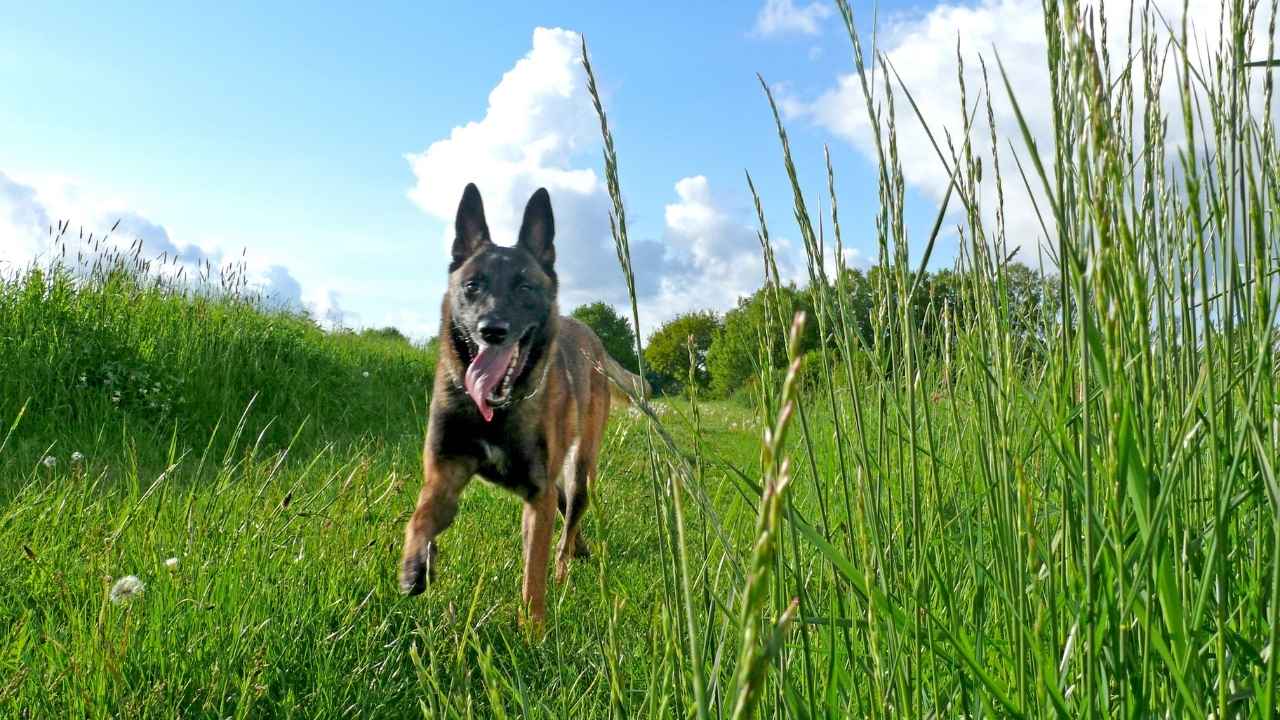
(750, 337)
(667, 354)
(613, 330)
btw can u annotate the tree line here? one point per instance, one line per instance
(721, 354)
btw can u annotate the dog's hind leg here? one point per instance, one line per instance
(562, 505)
(442, 485)
(579, 477)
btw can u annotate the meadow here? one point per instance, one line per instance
(976, 510)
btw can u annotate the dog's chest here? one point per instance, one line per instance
(493, 458)
(504, 466)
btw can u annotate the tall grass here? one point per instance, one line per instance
(112, 334)
(1084, 527)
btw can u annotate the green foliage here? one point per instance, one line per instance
(613, 329)
(943, 306)
(385, 333)
(667, 353)
(118, 348)
(750, 339)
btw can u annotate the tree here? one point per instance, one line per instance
(947, 302)
(612, 329)
(857, 302)
(755, 332)
(1033, 298)
(668, 351)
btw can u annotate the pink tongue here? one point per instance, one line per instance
(485, 374)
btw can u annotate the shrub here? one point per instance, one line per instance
(668, 351)
(744, 342)
(613, 330)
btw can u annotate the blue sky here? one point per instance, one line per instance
(330, 143)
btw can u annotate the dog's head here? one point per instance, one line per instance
(501, 300)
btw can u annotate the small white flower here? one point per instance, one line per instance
(49, 461)
(126, 588)
(77, 456)
(365, 373)
(171, 563)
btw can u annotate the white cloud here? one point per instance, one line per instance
(325, 305)
(922, 48)
(540, 130)
(923, 51)
(23, 221)
(712, 257)
(783, 17)
(32, 212)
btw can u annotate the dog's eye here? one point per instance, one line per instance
(526, 288)
(471, 287)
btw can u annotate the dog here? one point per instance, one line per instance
(521, 398)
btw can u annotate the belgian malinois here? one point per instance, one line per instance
(521, 397)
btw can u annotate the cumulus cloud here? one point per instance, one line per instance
(713, 258)
(23, 221)
(540, 130)
(922, 49)
(325, 305)
(61, 219)
(784, 17)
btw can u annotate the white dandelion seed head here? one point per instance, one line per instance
(77, 456)
(126, 588)
(365, 373)
(49, 461)
(171, 563)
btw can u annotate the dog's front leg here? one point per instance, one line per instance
(442, 484)
(539, 519)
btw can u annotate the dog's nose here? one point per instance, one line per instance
(493, 331)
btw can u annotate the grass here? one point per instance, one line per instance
(1079, 521)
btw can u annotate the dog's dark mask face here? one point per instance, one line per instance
(500, 299)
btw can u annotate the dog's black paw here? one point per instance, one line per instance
(418, 571)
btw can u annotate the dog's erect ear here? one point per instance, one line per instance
(539, 229)
(472, 231)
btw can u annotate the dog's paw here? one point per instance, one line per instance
(533, 625)
(418, 570)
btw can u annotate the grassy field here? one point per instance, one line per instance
(263, 513)
(1069, 514)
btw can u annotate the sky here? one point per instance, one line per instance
(328, 145)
